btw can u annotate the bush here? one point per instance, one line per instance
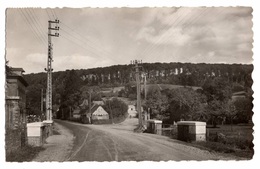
(235, 142)
(75, 119)
(216, 146)
(132, 96)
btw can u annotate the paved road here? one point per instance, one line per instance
(119, 143)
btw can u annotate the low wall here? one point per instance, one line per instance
(38, 132)
(35, 133)
(191, 131)
(154, 126)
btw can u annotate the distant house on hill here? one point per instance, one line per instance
(84, 104)
(76, 113)
(131, 111)
(101, 103)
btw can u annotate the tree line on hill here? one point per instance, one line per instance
(71, 87)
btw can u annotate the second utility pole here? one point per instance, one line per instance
(138, 90)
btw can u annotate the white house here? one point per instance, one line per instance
(132, 111)
(76, 113)
(98, 113)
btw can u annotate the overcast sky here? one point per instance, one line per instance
(98, 37)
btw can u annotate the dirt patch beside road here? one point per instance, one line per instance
(58, 146)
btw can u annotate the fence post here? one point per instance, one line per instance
(207, 134)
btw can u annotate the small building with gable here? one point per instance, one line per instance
(98, 113)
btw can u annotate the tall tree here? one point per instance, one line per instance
(218, 92)
(187, 104)
(115, 108)
(157, 102)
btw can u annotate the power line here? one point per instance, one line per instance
(182, 21)
(90, 48)
(53, 10)
(52, 13)
(84, 40)
(74, 40)
(31, 27)
(46, 10)
(148, 49)
(36, 27)
(37, 18)
(202, 28)
(39, 26)
(75, 37)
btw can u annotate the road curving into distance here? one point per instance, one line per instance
(119, 143)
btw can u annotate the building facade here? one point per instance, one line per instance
(15, 108)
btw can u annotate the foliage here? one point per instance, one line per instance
(130, 90)
(157, 102)
(71, 91)
(187, 104)
(237, 141)
(95, 92)
(244, 107)
(67, 84)
(236, 87)
(217, 89)
(216, 111)
(218, 93)
(115, 108)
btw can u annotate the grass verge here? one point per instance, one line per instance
(219, 147)
(24, 154)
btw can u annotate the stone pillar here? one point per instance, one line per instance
(158, 127)
(35, 133)
(191, 130)
(49, 127)
(154, 126)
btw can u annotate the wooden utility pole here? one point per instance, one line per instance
(145, 90)
(138, 90)
(41, 100)
(89, 107)
(49, 68)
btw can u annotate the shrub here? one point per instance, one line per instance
(75, 119)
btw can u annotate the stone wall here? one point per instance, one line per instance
(15, 139)
(16, 132)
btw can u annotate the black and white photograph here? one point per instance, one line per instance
(129, 84)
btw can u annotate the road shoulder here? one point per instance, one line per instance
(58, 146)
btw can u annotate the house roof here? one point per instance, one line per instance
(93, 109)
(99, 102)
(16, 73)
(20, 78)
(99, 110)
(76, 111)
(84, 103)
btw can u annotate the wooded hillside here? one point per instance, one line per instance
(70, 86)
